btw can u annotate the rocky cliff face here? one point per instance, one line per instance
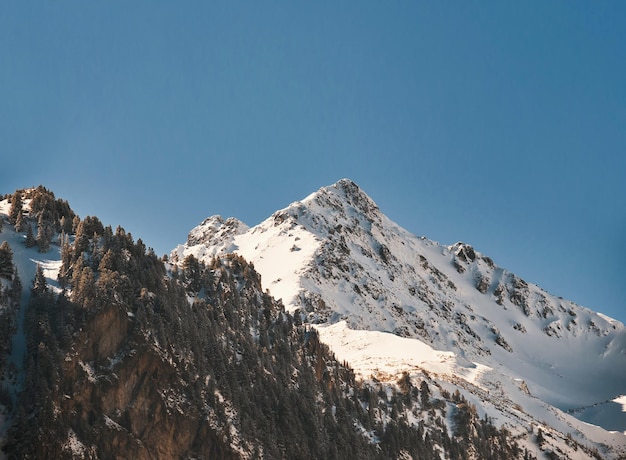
(115, 395)
(97, 386)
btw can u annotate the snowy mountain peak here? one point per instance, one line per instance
(344, 194)
(336, 259)
(213, 235)
(215, 228)
(330, 209)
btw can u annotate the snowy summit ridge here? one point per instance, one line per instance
(215, 233)
(346, 267)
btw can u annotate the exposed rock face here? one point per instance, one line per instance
(115, 396)
(118, 392)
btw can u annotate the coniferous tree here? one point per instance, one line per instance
(77, 267)
(404, 383)
(75, 222)
(108, 262)
(19, 222)
(16, 287)
(30, 239)
(540, 439)
(81, 241)
(191, 272)
(65, 272)
(6, 261)
(42, 201)
(108, 282)
(107, 238)
(16, 207)
(84, 293)
(44, 233)
(425, 394)
(40, 285)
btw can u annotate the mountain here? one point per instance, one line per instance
(326, 331)
(391, 303)
(107, 351)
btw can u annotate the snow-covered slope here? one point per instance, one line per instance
(25, 260)
(448, 310)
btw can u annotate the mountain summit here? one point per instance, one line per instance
(337, 261)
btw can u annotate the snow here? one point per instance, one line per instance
(382, 356)
(50, 269)
(608, 319)
(611, 414)
(26, 261)
(389, 301)
(621, 400)
(280, 257)
(385, 356)
(73, 444)
(89, 370)
(277, 253)
(112, 424)
(236, 440)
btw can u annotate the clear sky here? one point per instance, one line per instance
(501, 124)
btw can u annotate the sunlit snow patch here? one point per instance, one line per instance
(608, 319)
(621, 400)
(280, 256)
(50, 268)
(384, 355)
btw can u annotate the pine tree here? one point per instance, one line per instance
(425, 394)
(81, 241)
(404, 383)
(44, 234)
(16, 207)
(30, 239)
(540, 438)
(85, 292)
(16, 287)
(65, 272)
(65, 225)
(6, 261)
(76, 271)
(40, 285)
(19, 222)
(191, 273)
(108, 262)
(75, 222)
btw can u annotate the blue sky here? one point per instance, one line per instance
(501, 124)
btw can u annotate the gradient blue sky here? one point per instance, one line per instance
(501, 124)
